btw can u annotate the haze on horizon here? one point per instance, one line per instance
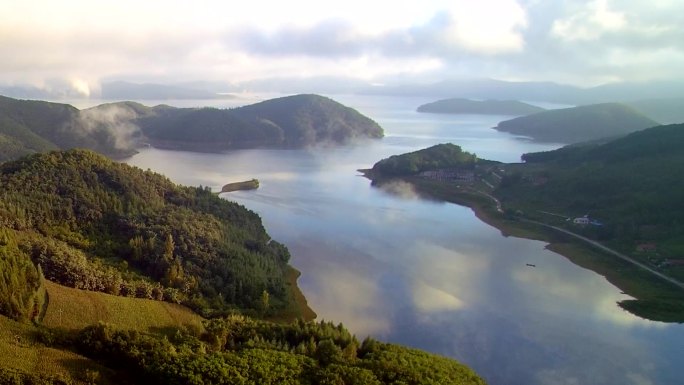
(80, 44)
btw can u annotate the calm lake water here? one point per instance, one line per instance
(429, 274)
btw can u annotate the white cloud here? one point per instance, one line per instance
(590, 22)
(564, 40)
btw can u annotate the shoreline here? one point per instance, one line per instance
(653, 299)
(299, 307)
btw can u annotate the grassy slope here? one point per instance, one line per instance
(20, 351)
(75, 309)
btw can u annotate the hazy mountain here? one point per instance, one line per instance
(318, 85)
(666, 111)
(116, 129)
(485, 107)
(485, 89)
(29, 126)
(131, 91)
(534, 91)
(578, 124)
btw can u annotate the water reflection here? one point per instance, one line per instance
(430, 274)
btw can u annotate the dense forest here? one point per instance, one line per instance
(634, 185)
(117, 129)
(30, 126)
(483, 107)
(578, 124)
(441, 156)
(239, 350)
(292, 121)
(94, 224)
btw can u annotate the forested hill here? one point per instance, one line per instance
(292, 121)
(116, 129)
(99, 225)
(634, 185)
(485, 107)
(81, 220)
(440, 156)
(578, 124)
(30, 126)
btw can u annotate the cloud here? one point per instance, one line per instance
(465, 29)
(590, 22)
(112, 119)
(571, 41)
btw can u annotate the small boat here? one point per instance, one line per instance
(530, 265)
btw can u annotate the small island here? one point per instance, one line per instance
(251, 184)
(481, 107)
(613, 207)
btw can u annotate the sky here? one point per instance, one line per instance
(83, 43)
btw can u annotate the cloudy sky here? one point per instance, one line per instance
(569, 41)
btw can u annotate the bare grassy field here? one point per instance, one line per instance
(73, 309)
(19, 351)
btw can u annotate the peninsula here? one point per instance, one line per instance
(610, 207)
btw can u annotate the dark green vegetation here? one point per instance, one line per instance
(633, 185)
(98, 225)
(578, 124)
(292, 121)
(238, 350)
(631, 188)
(485, 107)
(231, 350)
(22, 285)
(28, 126)
(116, 129)
(441, 156)
(251, 184)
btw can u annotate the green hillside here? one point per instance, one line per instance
(441, 156)
(631, 187)
(103, 226)
(292, 121)
(74, 309)
(30, 126)
(117, 129)
(634, 184)
(484, 107)
(578, 124)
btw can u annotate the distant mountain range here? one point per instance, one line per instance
(484, 107)
(578, 124)
(148, 91)
(116, 129)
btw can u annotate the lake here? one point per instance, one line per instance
(427, 274)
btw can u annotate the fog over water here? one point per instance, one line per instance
(428, 274)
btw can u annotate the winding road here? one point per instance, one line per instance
(610, 251)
